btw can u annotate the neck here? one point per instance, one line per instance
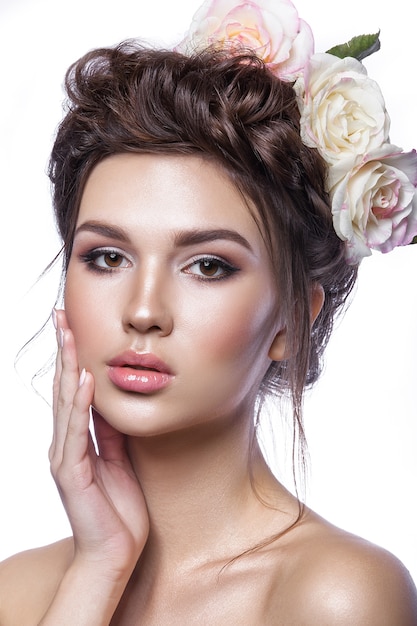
(198, 486)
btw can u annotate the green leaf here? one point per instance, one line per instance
(358, 47)
(414, 240)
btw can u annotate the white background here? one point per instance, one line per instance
(361, 418)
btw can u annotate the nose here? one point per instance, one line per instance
(148, 306)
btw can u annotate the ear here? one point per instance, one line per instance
(278, 349)
(317, 301)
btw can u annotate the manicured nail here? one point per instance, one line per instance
(61, 337)
(82, 377)
(54, 318)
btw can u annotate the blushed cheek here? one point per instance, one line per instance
(242, 333)
(80, 320)
(75, 306)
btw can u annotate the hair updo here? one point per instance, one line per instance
(229, 108)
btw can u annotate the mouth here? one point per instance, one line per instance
(140, 367)
(139, 373)
(145, 362)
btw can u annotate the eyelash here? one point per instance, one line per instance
(227, 268)
(90, 259)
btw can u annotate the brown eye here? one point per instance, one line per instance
(112, 259)
(209, 267)
(102, 260)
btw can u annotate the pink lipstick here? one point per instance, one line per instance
(139, 373)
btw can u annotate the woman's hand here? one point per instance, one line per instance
(99, 490)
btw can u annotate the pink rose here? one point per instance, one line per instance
(375, 205)
(271, 28)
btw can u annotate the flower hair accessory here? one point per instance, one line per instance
(371, 182)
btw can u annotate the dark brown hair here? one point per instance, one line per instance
(229, 108)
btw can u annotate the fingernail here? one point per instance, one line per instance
(61, 337)
(82, 377)
(54, 318)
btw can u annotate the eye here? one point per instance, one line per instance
(110, 259)
(103, 260)
(210, 268)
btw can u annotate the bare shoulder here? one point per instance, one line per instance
(340, 579)
(28, 582)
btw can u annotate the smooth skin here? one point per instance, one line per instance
(168, 260)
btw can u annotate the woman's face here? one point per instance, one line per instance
(170, 294)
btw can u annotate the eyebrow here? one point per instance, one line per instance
(106, 230)
(193, 236)
(182, 238)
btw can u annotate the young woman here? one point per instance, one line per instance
(202, 276)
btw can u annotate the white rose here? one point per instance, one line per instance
(375, 205)
(343, 111)
(271, 28)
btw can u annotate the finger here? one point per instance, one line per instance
(78, 443)
(60, 323)
(65, 388)
(56, 381)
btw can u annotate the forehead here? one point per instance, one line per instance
(165, 192)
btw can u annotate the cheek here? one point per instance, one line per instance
(85, 316)
(228, 353)
(241, 326)
(77, 299)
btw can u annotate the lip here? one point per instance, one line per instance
(139, 373)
